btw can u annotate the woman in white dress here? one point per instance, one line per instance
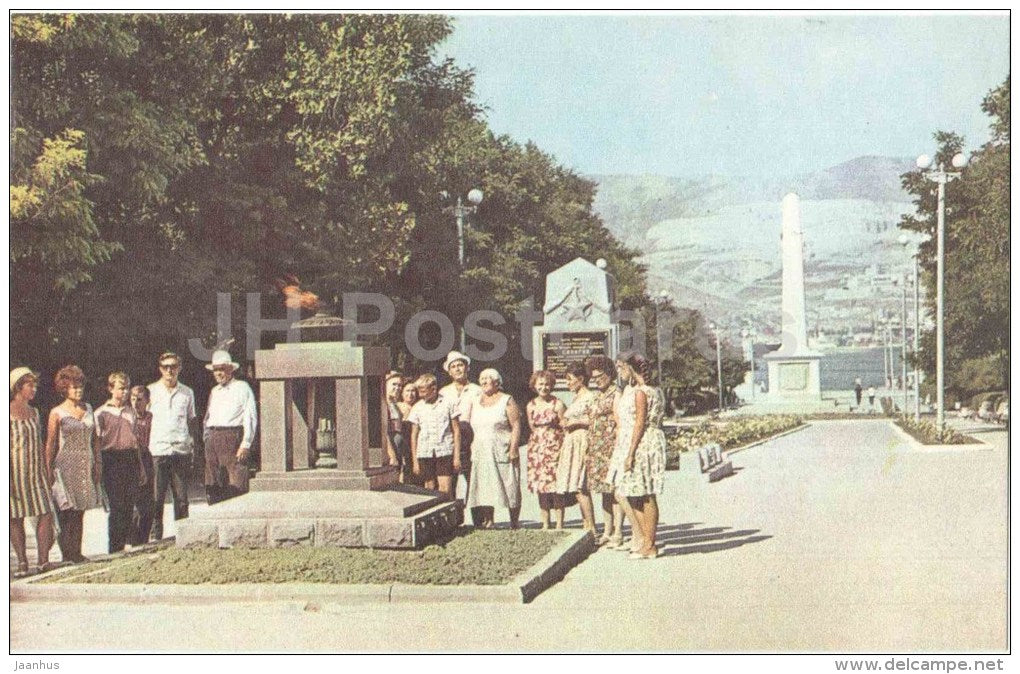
(495, 456)
(637, 468)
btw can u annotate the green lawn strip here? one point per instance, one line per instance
(926, 433)
(470, 558)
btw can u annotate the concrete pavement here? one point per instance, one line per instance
(841, 537)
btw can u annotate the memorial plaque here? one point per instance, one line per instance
(561, 349)
(793, 376)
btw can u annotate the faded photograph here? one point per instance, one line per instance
(465, 332)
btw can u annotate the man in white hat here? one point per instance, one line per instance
(229, 428)
(462, 393)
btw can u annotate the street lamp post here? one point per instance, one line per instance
(475, 197)
(941, 176)
(750, 336)
(718, 363)
(905, 241)
(917, 343)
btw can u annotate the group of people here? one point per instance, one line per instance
(607, 441)
(128, 453)
(141, 442)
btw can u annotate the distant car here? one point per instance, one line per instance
(985, 411)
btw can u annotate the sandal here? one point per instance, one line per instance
(603, 539)
(22, 570)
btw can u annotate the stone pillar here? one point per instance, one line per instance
(273, 396)
(352, 443)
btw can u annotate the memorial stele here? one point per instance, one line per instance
(578, 318)
(794, 369)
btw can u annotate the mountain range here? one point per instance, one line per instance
(712, 242)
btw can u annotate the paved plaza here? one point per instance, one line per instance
(842, 537)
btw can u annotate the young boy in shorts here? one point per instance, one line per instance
(435, 437)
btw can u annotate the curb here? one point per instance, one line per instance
(522, 589)
(977, 446)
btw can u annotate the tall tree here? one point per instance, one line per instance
(976, 250)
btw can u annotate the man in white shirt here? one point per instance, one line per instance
(171, 441)
(231, 420)
(462, 393)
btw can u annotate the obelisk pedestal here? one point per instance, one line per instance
(794, 369)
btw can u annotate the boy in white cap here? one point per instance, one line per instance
(231, 420)
(462, 393)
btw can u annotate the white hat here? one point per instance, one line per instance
(220, 358)
(19, 372)
(453, 357)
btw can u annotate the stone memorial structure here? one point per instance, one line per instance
(578, 318)
(794, 369)
(305, 494)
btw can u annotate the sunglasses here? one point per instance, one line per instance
(169, 366)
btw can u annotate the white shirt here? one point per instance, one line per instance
(233, 404)
(171, 409)
(434, 422)
(463, 398)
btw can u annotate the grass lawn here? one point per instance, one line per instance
(471, 557)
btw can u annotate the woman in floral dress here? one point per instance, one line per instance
(637, 468)
(601, 441)
(545, 418)
(571, 476)
(73, 454)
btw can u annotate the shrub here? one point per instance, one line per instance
(728, 435)
(927, 433)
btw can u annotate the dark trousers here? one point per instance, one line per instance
(171, 471)
(141, 519)
(69, 539)
(121, 474)
(225, 477)
(858, 394)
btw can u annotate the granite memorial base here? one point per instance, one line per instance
(402, 517)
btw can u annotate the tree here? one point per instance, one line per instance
(216, 152)
(976, 250)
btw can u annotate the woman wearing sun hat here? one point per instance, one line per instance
(29, 492)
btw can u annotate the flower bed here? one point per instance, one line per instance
(728, 434)
(927, 433)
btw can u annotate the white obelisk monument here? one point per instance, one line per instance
(794, 372)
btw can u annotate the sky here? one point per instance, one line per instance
(687, 95)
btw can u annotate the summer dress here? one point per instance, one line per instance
(495, 480)
(74, 488)
(29, 491)
(570, 472)
(601, 440)
(544, 450)
(648, 473)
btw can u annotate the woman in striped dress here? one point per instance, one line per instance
(29, 483)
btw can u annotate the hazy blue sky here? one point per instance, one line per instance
(729, 94)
